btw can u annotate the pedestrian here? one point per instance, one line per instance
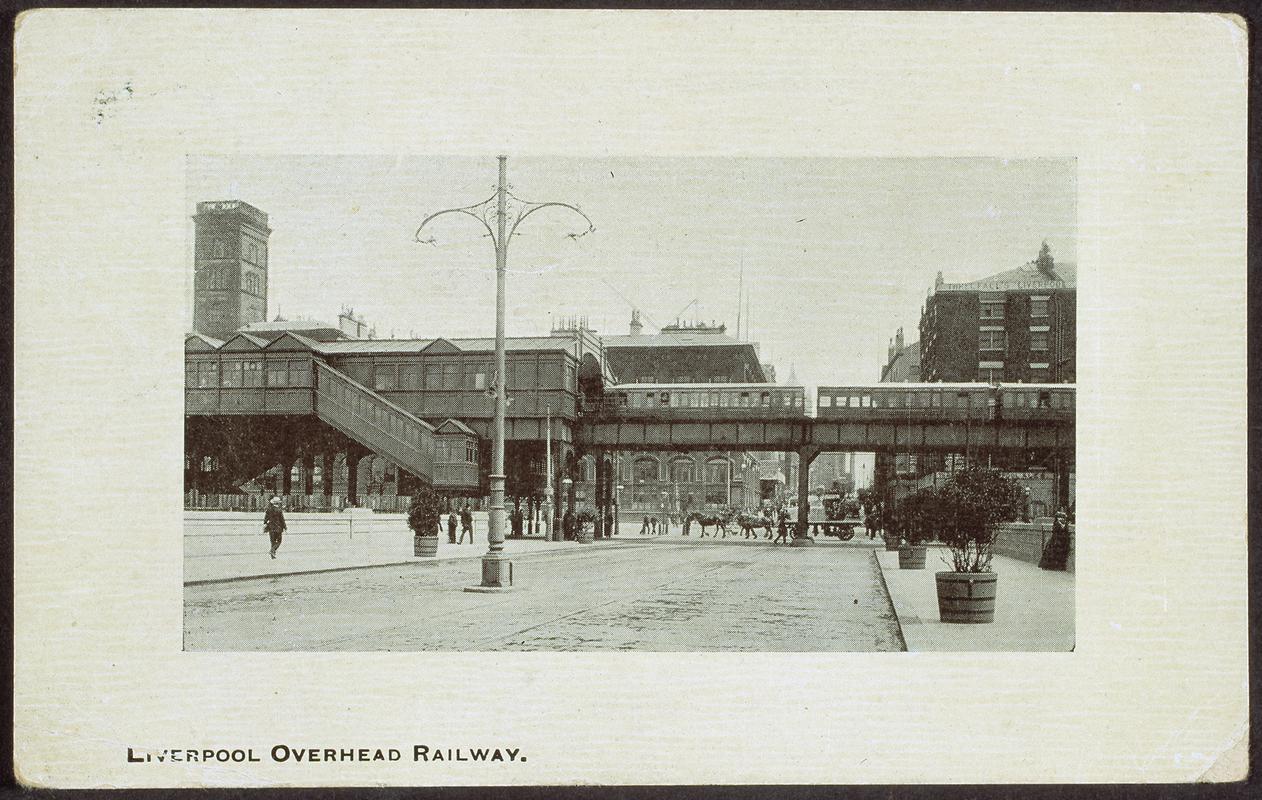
(451, 526)
(466, 524)
(782, 530)
(653, 524)
(274, 524)
(644, 529)
(610, 525)
(568, 523)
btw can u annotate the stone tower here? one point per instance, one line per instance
(229, 267)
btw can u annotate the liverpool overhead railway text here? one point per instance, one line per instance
(284, 753)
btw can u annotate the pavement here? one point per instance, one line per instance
(653, 595)
(376, 551)
(1034, 608)
(241, 552)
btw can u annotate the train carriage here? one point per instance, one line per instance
(705, 400)
(978, 402)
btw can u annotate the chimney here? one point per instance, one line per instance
(898, 340)
(636, 327)
(938, 280)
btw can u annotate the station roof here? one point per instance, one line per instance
(512, 344)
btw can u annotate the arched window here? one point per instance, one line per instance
(587, 469)
(645, 470)
(682, 471)
(218, 249)
(716, 471)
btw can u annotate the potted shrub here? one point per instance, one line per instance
(586, 521)
(423, 516)
(972, 504)
(919, 511)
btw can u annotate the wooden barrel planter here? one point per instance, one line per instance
(425, 546)
(967, 597)
(912, 557)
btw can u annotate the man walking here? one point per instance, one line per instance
(782, 530)
(466, 524)
(451, 526)
(274, 524)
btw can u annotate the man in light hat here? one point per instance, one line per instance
(274, 523)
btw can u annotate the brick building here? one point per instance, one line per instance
(229, 267)
(1016, 326)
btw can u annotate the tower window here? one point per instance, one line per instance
(218, 249)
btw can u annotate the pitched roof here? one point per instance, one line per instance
(515, 344)
(454, 423)
(200, 341)
(1024, 277)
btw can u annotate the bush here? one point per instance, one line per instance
(586, 518)
(972, 504)
(922, 516)
(424, 512)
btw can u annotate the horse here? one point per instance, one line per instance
(750, 521)
(719, 521)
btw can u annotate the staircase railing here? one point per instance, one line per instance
(374, 421)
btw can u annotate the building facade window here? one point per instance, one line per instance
(681, 471)
(218, 249)
(645, 470)
(1039, 306)
(992, 339)
(1038, 340)
(990, 371)
(385, 377)
(992, 310)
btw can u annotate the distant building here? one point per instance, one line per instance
(1017, 326)
(229, 267)
(658, 484)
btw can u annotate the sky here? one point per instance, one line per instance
(836, 253)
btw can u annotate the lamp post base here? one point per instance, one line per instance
(497, 574)
(801, 541)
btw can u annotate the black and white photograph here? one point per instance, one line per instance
(670, 404)
(593, 397)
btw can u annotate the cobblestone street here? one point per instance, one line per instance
(650, 595)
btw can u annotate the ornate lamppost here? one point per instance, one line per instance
(500, 217)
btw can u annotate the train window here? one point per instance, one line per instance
(865, 401)
(1045, 399)
(825, 401)
(798, 401)
(744, 399)
(666, 398)
(765, 399)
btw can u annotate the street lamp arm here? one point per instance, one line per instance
(472, 211)
(533, 207)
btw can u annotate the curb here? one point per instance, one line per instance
(898, 618)
(416, 560)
